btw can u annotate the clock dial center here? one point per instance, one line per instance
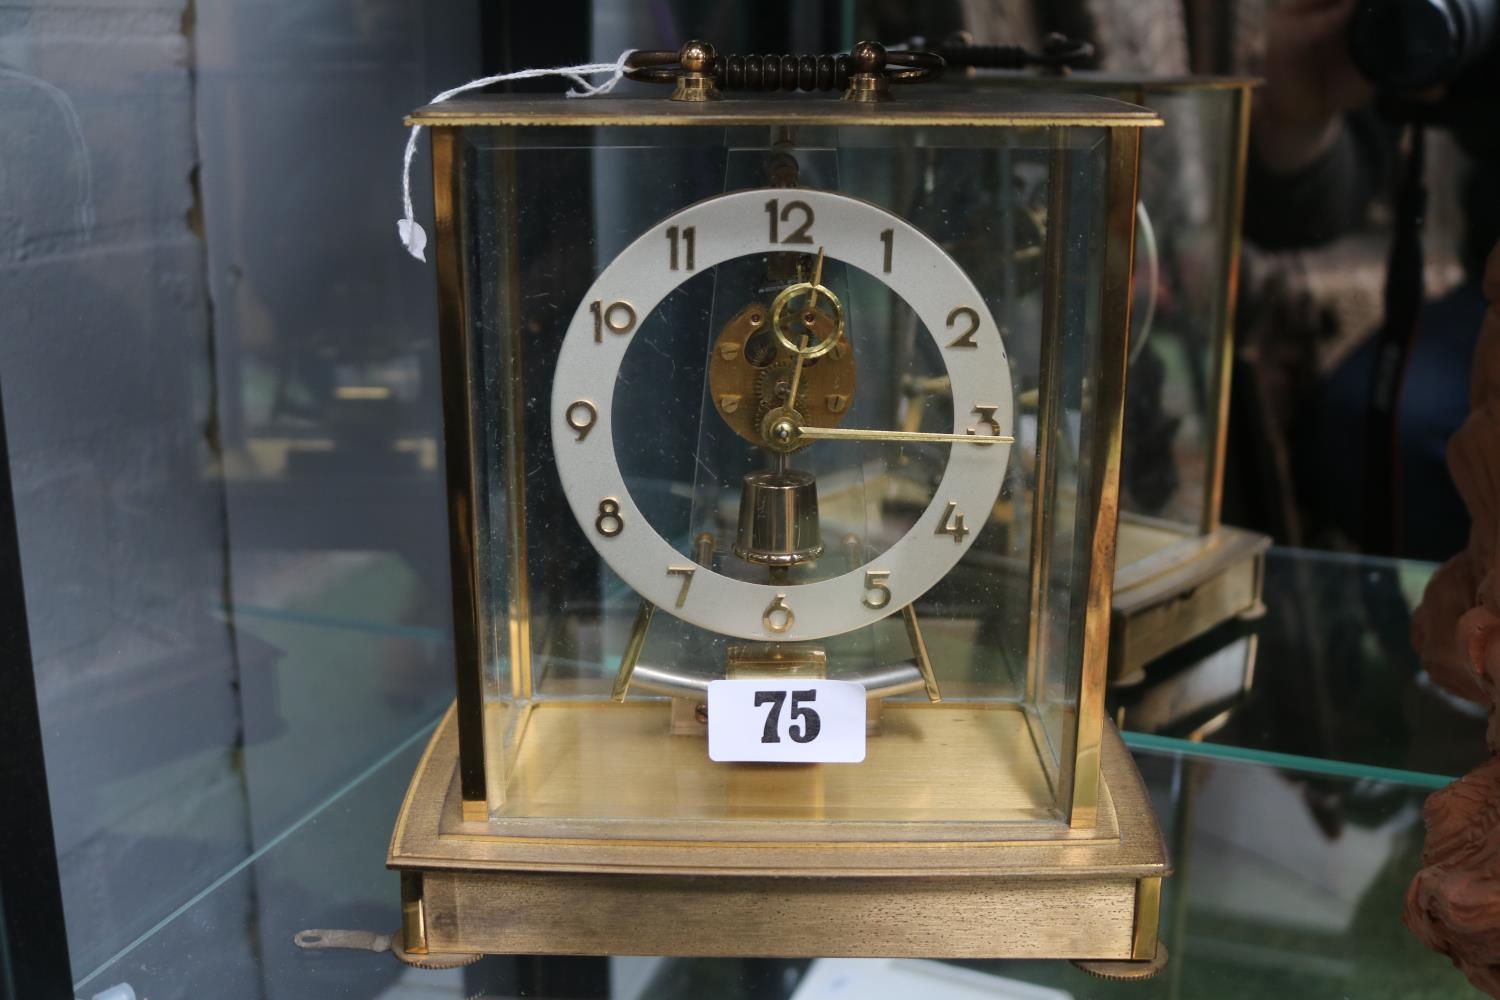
(783, 380)
(750, 374)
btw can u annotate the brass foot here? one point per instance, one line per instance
(1126, 971)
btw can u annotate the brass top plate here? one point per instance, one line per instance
(1024, 108)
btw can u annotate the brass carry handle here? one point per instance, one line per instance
(863, 73)
(1059, 54)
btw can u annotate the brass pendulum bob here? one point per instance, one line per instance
(779, 518)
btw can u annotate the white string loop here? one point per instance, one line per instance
(413, 236)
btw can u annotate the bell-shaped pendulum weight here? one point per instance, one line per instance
(779, 518)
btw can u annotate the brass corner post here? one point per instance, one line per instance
(413, 914)
(1106, 434)
(1144, 935)
(458, 455)
(1233, 219)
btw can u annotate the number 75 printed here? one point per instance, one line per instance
(786, 721)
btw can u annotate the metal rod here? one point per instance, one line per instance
(883, 682)
(703, 549)
(854, 550)
(633, 647)
(919, 652)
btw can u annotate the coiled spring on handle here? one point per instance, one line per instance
(781, 72)
(773, 72)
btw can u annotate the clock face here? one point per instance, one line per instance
(782, 376)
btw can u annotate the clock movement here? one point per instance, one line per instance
(782, 522)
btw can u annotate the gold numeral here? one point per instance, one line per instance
(775, 608)
(965, 339)
(783, 213)
(609, 523)
(581, 425)
(952, 523)
(875, 580)
(687, 238)
(686, 572)
(617, 317)
(986, 414)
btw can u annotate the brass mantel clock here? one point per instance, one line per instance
(782, 543)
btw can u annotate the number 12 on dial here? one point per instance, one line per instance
(788, 720)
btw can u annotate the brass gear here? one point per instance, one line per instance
(768, 400)
(766, 384)
(746, 364)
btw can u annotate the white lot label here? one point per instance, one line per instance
(786, 721)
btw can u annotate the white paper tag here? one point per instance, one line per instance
(790, 721)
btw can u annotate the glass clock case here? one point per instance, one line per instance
(1180, 571)
(765, 391)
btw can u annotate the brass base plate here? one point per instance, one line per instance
(1171, 587)
(720, 886)
(605, 770)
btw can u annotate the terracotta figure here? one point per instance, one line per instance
(1453, 903)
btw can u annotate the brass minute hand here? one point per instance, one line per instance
(857, 434)
(812, 295)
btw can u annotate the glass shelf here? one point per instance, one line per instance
(1291, 809)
